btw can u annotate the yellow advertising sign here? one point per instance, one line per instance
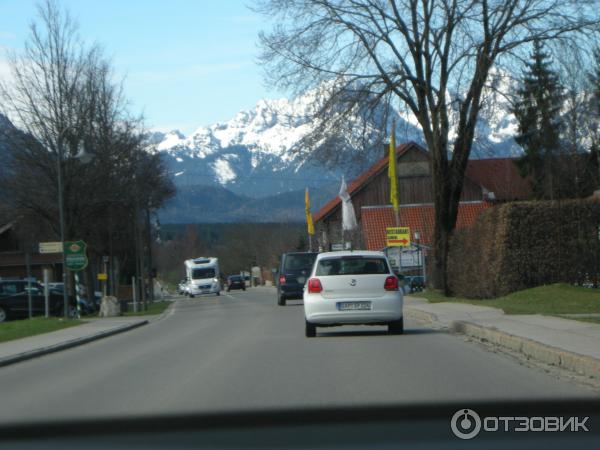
(397, 236)
(102, 277)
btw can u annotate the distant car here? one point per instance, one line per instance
(235, 282)
(347, 288)
(56, 286)
(417, 284)
(294, 270)
(14, 300)
(182, 287)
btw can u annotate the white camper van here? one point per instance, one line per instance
(202, 276)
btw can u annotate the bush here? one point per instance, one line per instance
(521, 245)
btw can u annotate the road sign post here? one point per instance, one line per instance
(104, 278)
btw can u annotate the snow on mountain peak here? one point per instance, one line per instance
(261, 138)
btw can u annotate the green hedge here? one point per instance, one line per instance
(521, 245)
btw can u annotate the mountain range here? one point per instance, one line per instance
(248, 169)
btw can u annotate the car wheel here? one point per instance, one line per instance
(191, 295)
(3, 314)
(281, 300)
(218, 293)
(310, 329)
(396, 327)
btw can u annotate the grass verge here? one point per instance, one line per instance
(17, 329)
(554, 299)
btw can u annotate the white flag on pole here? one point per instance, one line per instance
(348, 216)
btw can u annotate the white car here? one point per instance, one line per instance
(348, 288)
(182, 288)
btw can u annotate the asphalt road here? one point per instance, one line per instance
(242, 351)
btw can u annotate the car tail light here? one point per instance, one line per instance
(281, 279)
(391, 284)
(314, 286)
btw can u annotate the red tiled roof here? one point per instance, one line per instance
(500, 176)
(362, 180)
(418, 217)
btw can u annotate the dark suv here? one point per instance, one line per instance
(293, 271)
(235, 282)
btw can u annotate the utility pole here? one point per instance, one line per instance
(150, 268)
(61, 215)
(28, 264)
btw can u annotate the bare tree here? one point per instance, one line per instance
(432, 56)
(64, 99)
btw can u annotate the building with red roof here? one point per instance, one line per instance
(419, 218)
(486, 181)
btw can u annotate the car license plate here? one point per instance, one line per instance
(301, 279)
(206, 291)
(354, 306)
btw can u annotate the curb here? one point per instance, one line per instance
(421, 315)
(68, 344)
(581, 364)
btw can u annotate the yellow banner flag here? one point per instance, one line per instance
(392, 172)
(309, 221)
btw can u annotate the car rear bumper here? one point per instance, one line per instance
(291, 292)
(321, 311)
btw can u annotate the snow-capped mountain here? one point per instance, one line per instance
(254, 155)
(251, 154)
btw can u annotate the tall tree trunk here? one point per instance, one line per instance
(442, 227)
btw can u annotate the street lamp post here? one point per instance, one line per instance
(84, 158)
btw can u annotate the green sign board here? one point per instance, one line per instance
(75, 257)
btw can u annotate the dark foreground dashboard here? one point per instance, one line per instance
(526, 425)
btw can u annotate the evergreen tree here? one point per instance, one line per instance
(538, 113)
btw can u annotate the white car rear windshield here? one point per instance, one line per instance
(352, 265)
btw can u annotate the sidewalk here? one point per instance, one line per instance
(31, 347)
(561, 342)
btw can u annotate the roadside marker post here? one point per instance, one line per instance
(47, 293)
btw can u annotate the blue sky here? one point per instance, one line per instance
(186, 63)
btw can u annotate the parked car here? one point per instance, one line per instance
(235, 282)
(14, 300)
(294, 270)
(417, 284)
(352, 288)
